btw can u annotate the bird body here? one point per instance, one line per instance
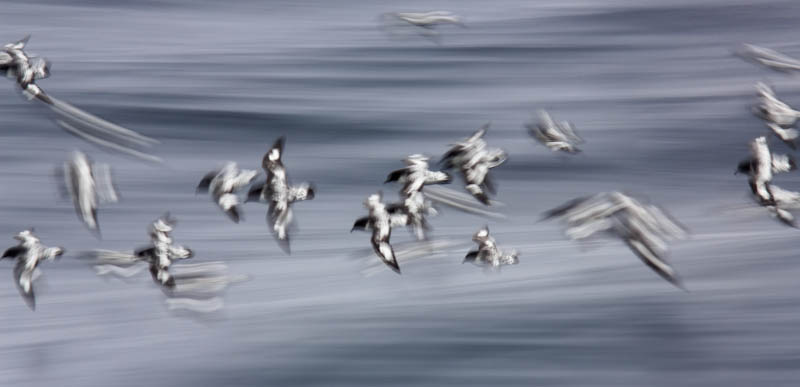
(279, 193)
(557, 136)
(645, 229)
(29, 253)
(223, 185)
(474, 159)
(488, 253)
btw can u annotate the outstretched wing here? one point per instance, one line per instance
(564, 208)
(13, 252)
(24, 282)
(655, 262)
(254, 195)
(396, 175)
(362, 224)
(205, 183)
(386, 253)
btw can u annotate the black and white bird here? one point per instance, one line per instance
(556, 136)
(761, 166)
(773, 110)
(25, 68)
(644, 228)
(87, 184)
(223, 185)
(488, 253)
(279, 192)
(161, 251)
(416, 175)
(29, 253)
(474, 159)
(380, 221)
(768, 58)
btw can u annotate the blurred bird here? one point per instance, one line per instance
(380, 221)
(768, 58)
(557, 136)
(16, 63)
(26, 69)
(29, 253)
(473, 158)
(87, 183)
(415, 207)
(280, 193)
(223, 185)
(488, 254)
(416, 175)
(772, 109)
(426, 21)
(761, 166)
(160, 254)
(644, 228)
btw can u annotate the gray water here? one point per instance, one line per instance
(651, 86)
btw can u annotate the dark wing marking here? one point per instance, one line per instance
(490, 187)
(233, 214)
(254, 195)
(651, 259)
(396, 175)
(386, 253)
(470, 257)
(563, 209)
(143, 252)
(362, 224)
(206, 182)
(14, 252)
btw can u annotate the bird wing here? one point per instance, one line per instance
(363, 223)
(386, 253)
(396, 175)
(655, 262)
(205, 183)
(23, 280)
(254, 195)
(14, 252)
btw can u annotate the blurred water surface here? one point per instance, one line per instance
(650, 85)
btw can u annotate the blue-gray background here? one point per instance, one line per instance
(651, 85)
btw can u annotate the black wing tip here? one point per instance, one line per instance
(234, 215)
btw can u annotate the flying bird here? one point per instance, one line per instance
(416, 175)
(768, 58)
(557, 136)
(223, 185)
(29, 253)
(380, 221)
(488, 253)
(474, 159)
(279, 192)
(26, 69)
(161, 252)
(87, 184)
(425, 21)
(760, 168)
(644, 228)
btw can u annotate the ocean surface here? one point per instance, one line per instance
(652, 86)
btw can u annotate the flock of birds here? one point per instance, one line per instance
(645, 228)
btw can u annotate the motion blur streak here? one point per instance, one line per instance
(653, 87)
